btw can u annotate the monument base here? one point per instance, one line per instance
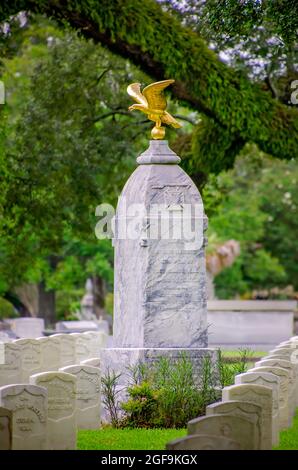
(123, 362)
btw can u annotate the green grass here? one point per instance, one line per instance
(127, 439)
(156, 439)
(288, 439)
(236, 354)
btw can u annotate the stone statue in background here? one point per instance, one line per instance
(87, 311)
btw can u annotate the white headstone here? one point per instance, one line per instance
(62, 426)
(11, 368)
(284, 364)
(259, 395)
(94, 361)
(28, 404)
(232, 427)
(30, 357)
(268, 380)
(285, 416)
(88, 397)
(98, 341)
(67, 349)
(203, 442)
(50, 353)
(281, 352)
(246, 410)
(84, 346)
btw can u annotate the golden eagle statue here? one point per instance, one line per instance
(152, 102)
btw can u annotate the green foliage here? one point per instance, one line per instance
(166, 394)
(127, 439)
(66, 109)
(288, 438)
(68, 303)
(110, 392)
(142, 408)
(137, 30)
(228, 371)
(255, 203)
(109, 303)
(6, 309)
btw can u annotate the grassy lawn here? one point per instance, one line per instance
(156, 439)
(127, 439)
(289, 437)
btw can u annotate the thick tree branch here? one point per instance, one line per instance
(162, 47)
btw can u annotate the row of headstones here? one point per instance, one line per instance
(25, 357)
(46, 412)
(49, 388)
(254, 410)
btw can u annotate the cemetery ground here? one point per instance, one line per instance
(127, 439)
(156, 439)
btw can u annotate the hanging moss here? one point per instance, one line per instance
(238, 110)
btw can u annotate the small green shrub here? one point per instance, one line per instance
(228, 371)
(110, 392)
(142, 409)
(166, 394)
(7, 310)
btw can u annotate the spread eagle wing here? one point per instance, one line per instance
(134, 90)
(167, 118)
(155, 96)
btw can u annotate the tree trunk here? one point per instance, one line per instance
(99, 292)
(46, 304)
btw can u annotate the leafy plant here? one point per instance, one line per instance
(142, 408)
(110, 392)
(167, 393)
(228, 371)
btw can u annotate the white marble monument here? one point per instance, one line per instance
(160, 279)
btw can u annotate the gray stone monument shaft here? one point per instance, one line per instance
(160, 278)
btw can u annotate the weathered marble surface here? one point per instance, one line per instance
(268, 380)
(247, 410)
(88, 399)
(160, 284)
(50, 353)
(29, 406)
(275, 361)
(67, 349)
(61, 424)
(204, 442)
(285, 415)
(94, 361)
(260, 395)
(30, 357)
(11, 370)
(236, 428)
